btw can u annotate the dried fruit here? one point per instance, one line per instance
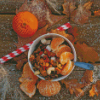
(84, 52)
(48, 88)
(24, 26)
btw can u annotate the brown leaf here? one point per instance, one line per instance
(63, 33)
(97, 13)
(95, 89)
(79, 92)
(73, 31)
(53, 19)
(69, 82)
(68, 7)
(87, 77)
(74, 86)
(20, 63)
(23, 41)
(88, 5)
(54, 6)
(17, 58)
(24, 7)
(86, 53)
(92, 91)
(81, 14)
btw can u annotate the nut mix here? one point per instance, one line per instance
(47, 57)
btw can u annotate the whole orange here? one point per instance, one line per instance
(25, 24)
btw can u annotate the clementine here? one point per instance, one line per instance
(25, 24)
(48, 88)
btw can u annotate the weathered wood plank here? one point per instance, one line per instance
(7, 35)
(9, 6)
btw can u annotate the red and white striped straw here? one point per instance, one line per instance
(27, 46)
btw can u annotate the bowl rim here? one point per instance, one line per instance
(35, 42)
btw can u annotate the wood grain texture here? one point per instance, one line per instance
(10, 6)
(7, 35)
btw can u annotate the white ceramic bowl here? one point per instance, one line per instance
(32, 48)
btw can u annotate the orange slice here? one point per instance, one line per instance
(65, 56)
(61, 49)
(27, 74)
(28, 87)
(67, 68)
(56, 42)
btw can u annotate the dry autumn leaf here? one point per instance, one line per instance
(84, 52)
(82, 13)
(97, 13)
(54, 6)
(95, 89)
(87, 77)
(74, 86)
(68, 7)
(73, 31)
(63, 33)
(53, 19)
(20, 63)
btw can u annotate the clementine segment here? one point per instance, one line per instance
(65, 56)
(25, 24)
(56, 42)
(67, 68)
(61, 49)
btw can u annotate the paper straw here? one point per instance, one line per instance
(27, 46)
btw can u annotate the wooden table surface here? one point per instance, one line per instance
(89, 32)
